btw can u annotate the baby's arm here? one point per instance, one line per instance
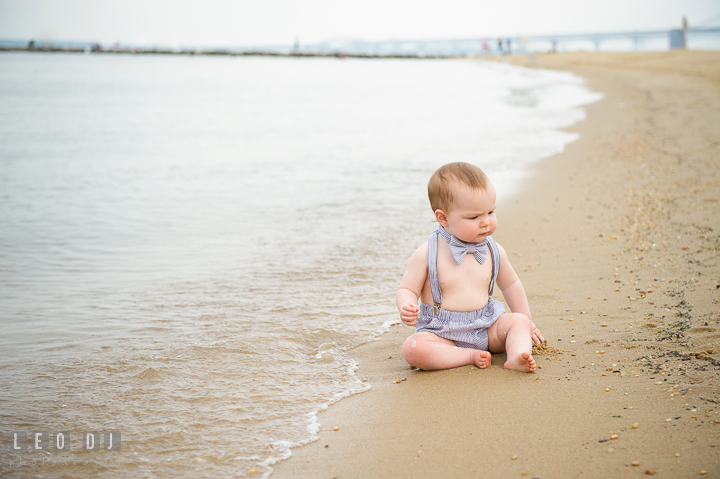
(411, 286)
(514, 293)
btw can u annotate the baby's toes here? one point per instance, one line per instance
(531, 363)
(485, 358)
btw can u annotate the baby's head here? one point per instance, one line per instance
(463, 200)
(448, 178)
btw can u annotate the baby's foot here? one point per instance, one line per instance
(522, 362)
(482, 359)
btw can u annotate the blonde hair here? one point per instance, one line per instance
(440, 186)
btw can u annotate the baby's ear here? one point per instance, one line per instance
(441, 217)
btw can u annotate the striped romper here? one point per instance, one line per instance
(468, 329)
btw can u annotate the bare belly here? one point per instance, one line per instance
(463, 298)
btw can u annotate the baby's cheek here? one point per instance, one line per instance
(493, 224)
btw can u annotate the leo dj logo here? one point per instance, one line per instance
(62, 441)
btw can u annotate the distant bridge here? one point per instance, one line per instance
(507, 44)
(654, 39)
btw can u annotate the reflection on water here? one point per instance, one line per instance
(190, 247)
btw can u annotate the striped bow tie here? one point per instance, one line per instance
(460, 248)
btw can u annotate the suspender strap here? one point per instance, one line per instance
(495, 255)
(432, 269)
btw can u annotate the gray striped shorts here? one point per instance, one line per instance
(468, 329)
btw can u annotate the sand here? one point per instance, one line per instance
(616, 241)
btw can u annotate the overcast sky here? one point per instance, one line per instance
(279, 22)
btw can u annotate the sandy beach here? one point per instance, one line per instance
(616, 241)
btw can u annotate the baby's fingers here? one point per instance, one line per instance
(409, 310)
(408, 316)
(409, 320)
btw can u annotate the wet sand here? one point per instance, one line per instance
(616, 241)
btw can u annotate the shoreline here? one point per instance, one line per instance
(644, 167)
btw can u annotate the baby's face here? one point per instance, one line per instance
(472, 215)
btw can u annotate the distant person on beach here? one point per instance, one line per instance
(458, 323)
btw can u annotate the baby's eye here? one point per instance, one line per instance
(474, 217)
(492, 212)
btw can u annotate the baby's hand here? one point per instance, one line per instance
(536, 335)
(409, 314)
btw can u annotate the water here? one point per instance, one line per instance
(190, 247)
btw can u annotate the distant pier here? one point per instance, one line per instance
(449, 48)
(519, 43)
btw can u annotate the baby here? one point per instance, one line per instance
(453, 274)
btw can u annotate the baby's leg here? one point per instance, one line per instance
(428, 351)
(511, 333)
